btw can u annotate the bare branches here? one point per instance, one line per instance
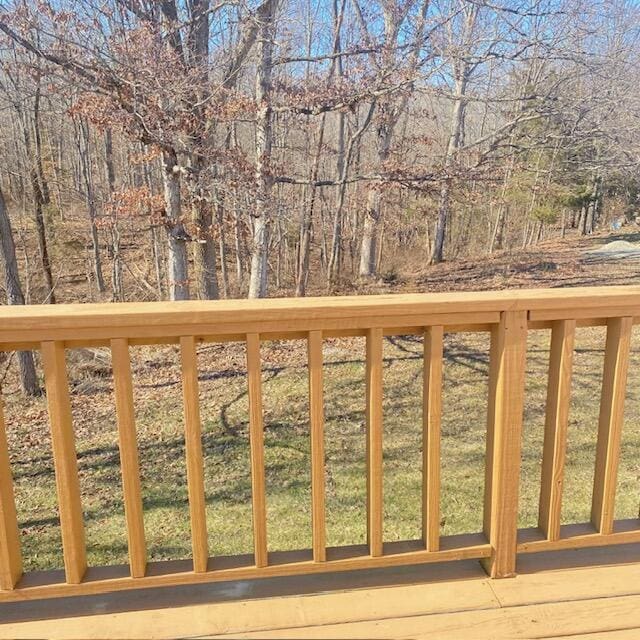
(312, 133)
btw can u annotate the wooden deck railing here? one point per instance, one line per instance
(506, 315)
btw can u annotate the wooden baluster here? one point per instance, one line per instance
(65, 462)
(614, 384)
(256, 440)
(494, 367)
(316, 418)
(129, 457)
(10, 554)
(431, 424)
(555, 430)
(374, 441)
(506, 388)
(193, 447)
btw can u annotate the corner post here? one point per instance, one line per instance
(504, 441)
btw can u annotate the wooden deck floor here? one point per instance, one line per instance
(555, 596)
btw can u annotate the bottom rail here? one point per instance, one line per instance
(578, 536)
(49, 584)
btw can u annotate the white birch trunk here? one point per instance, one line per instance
(264, 140)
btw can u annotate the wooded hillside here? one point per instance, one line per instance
(188, 148)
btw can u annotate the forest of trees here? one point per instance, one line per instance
(175, 149)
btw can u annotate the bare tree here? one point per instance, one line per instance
(28, 377)
(262, 217)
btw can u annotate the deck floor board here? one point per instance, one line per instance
(555, 602)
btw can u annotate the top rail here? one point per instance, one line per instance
(507, 315)
(149, 322)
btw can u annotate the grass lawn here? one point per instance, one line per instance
(225, 440)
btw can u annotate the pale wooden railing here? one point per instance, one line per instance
(507, 316)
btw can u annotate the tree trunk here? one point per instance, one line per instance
(342, 167)
(197, 58)
(497, 237)
(582, 221)
(205, 248)
(28, 378)
(344, 162)
(592, 207)
(117, 286)
(437, 253)
(258, 276)
(373, 211)
(462, 71)
(38, 204)
(89, 191)
(306, 222)
(43, 244)
(239, 249)
(157, 261)
(37, 139)
(222, 244)
(177, 261)
(264, 139)
(369, 245)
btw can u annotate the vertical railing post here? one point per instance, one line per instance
(193, 449)
(256, 445)
(130, 467)
(374, 441)
(555, 428)
(614, 385)
(504, 441)
(10, 556)
(65, 461)
(316, 421)
(431, 419)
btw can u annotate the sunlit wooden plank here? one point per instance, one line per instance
(193, 447)
(614, 385)
(65, 461)
(506, 402)
(555, 430)
(316, 419)
(129, 465)
(374, 441)
(431, 424)
(256, 439)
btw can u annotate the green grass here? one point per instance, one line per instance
(226, 447)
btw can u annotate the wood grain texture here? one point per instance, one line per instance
(555, 430)
(256, 442)
(161, 322)
(614, 385)
(316, 421)
(579, 536)
(129, 465)
(431, 426)
(508, 399)
(190, 313)
(10, 554)
(193, 449)
(600, 618)
(374, 441)
(494, 369)
(261, 607)
(142, 331)
(585, 603)
(65, 461)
